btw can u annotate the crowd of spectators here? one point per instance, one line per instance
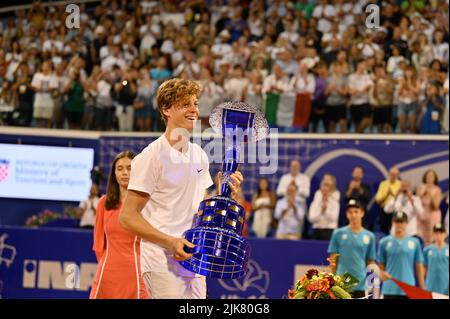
(284, 213)
(104, 74)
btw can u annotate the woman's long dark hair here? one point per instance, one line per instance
(424, 177)
(259, 188)
(113, 189)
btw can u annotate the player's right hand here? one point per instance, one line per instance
(178, 249)
(384, 276)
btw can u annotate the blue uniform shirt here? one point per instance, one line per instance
(354, 250)
(399, 257)
(436, 261)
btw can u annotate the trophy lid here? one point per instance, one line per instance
(259, 127)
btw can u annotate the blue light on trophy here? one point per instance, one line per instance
(220, 250)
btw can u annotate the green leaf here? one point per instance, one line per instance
(349, 282)
(300, 295)
(340, 293)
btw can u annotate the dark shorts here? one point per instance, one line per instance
(75, 117)
(335, 113)
(318, 112)
(382, 115)
(358, 112)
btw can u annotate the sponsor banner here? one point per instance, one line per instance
(60, 263)
(45, 172)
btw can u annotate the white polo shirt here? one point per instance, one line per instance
(176, 183)
(359, 82)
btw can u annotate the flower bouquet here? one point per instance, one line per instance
(72, 212)
(42, 218)
(323, 285)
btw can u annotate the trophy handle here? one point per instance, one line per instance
(229, 166)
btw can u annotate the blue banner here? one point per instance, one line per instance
(46, 263)
(59, 263)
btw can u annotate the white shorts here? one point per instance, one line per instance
(43, 112)
(170, 286)
(125, 118)
(43, 107)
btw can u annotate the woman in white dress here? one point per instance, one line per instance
(263, 203)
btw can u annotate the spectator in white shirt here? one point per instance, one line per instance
(212, 95)
(333, 34)
(148, 40)
(301, 180)
(189, 66)
(440, 48)
(52, 41)
(260, 67)
(172, 16)
(150, 27)
(290, 214)
(359, 86)
(222, 47)
(108, 48)
(61, 80)
(335, 194)
(180, 47)
(394, 60)
(324, 211)
(256, 24)
(285, 61)
(103, 105)
(88, 208)
(408, 203)
(368, 47)
(114, 59)
(43, 83)
(277, 82)
(289, 32)
(324, 12)
(235, 86)
(55, 56)
(422, 52)
(303, 81)
(129, 49)
(253, 90)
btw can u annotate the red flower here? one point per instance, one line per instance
(312, 272)
(291, 294)
(330, 280)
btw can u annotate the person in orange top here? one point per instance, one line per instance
(117, 250)
(240, 199)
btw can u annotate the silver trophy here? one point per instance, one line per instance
(220, 250)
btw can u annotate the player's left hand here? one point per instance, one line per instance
(236, 180)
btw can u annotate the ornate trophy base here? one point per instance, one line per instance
(220, 251)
